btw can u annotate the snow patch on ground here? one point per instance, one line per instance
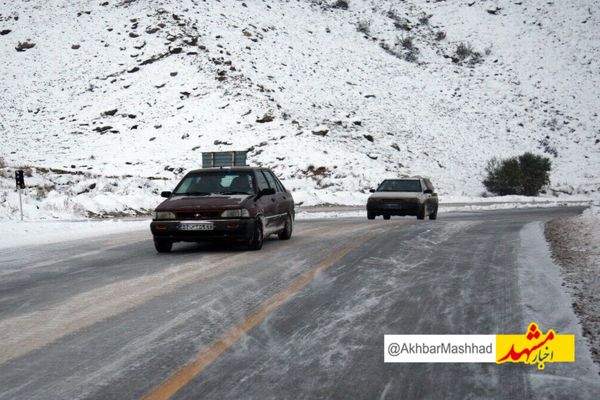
(575, 245)
(546, 303)
(17, 233)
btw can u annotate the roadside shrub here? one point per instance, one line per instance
(522, 175)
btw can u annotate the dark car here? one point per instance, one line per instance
(241, 204)
(407, 196)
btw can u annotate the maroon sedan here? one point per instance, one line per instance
(242, 204)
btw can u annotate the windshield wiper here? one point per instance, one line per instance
(194, 194)
(234, 192)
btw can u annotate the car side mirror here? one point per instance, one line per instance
(428, 191)
(265, 192)
(166, 194)
(372, 190)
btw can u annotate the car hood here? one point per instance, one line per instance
(396, 195)
(216, 201)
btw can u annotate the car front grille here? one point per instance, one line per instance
(398, 202)
(198, 215)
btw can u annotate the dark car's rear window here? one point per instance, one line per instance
(225, 182)
(400, 185)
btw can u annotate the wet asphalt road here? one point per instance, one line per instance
(305, 318)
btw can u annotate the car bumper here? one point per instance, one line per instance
(223, 229)
(394, 208)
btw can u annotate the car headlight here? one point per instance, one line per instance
(235, 213)
(163, 215)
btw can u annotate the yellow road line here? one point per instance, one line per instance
(203, 359)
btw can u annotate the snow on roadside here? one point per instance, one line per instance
(67, 195)
(510, 205)
(309, 215)
(477, 205)
(546, 303)
(575, 246)
(27, 233)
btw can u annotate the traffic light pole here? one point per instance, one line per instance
(20, 204)
(20, 181)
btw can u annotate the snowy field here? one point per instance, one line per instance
(107, 103)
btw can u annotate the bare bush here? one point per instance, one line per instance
(424, 20)
(407, 52)
(393, 14)
(341, 4)
(407, 42)
(464, 52)
(399, 21)
(364, 26)
(440, 35)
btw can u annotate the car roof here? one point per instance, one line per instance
(226, 169)
(406, 178)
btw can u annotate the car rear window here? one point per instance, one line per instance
(400, 185)
(226, 182)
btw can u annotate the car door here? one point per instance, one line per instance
(285, 198)
(278, 199)
(267, 203)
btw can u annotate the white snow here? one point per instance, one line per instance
(591, 218)
(221, 66)
(547, 303)
(17, 233)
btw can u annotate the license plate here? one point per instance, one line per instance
(196, 227)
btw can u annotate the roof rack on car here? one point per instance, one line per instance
(222, 159)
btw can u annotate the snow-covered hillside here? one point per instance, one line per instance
(332, 99)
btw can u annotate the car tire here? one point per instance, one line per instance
(433, 215)
(370, 215)
(286, 233)
(163, 246)
(256, 242)
(421, 214)
(386, 217)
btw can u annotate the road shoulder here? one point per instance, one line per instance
(546, 302)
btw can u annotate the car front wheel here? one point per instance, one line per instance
(433, 215)
(256, 242)
(163, 246)
(421, 214)
(370, 215)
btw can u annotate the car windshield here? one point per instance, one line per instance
(400, 185)
(218, 182)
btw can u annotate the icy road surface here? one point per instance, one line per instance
(108, 317)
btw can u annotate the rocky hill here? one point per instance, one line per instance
(333, 95)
